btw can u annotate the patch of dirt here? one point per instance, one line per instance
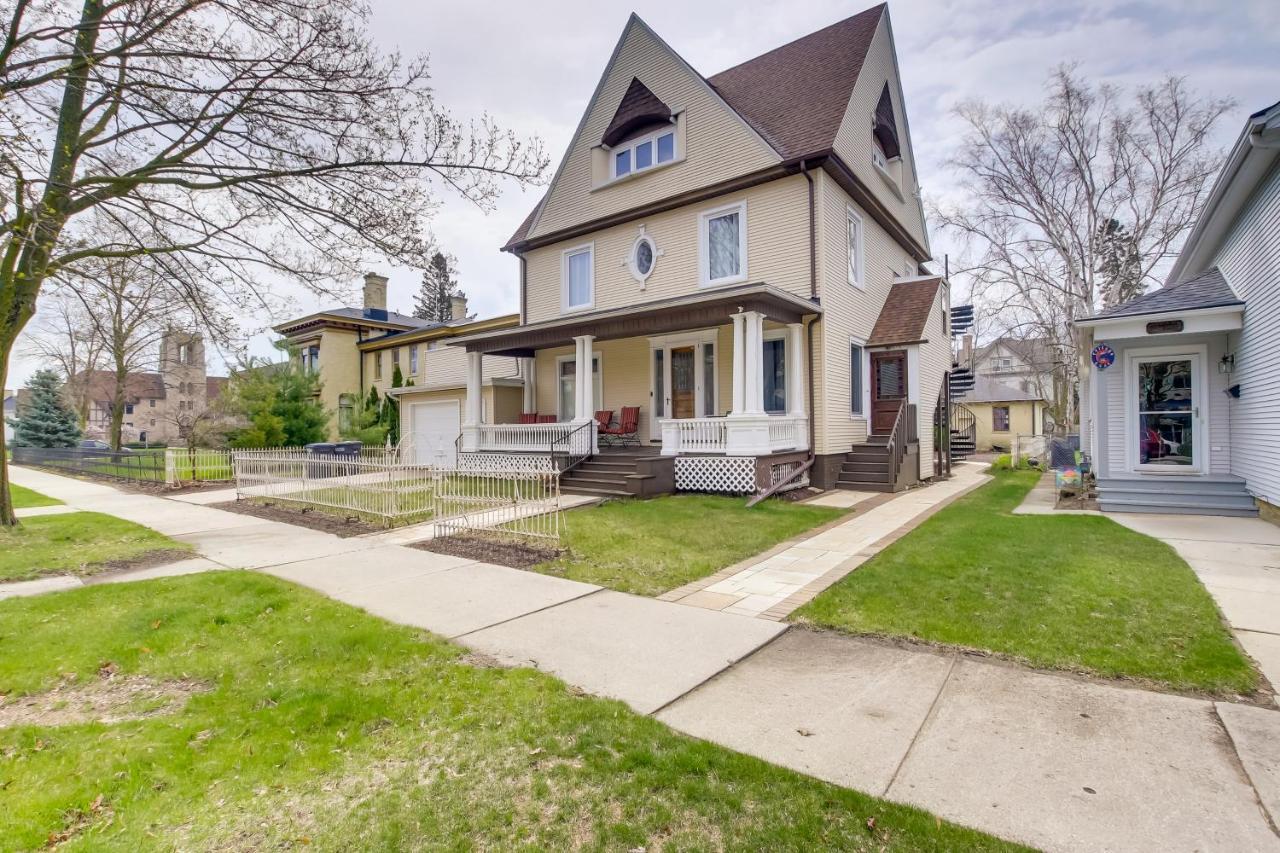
(504, 551)
(309, 518)
(795, 495)
(480, 660)
(108, 698)
(1076, 501)
(143, 561)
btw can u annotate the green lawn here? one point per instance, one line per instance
(1070, 592)
(318, 726)
(24, 497)
(74, 543)
(648, 547)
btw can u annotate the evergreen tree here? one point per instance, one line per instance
(279, 404)
(46, 420)
(439, 286)
(366, 422)
(1119, 263)
(391, 408)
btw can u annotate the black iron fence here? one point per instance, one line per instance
(144, 465)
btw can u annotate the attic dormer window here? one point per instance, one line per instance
(884, 128)
(644, 152)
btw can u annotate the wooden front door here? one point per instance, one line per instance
(683, 382)
(888, 388)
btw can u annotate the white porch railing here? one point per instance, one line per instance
(753, 435)
(525, 438)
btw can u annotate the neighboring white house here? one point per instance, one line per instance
(10, 411)
(1181, 387)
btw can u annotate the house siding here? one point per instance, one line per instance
(1249, 259)
(1023, 420)
(443, 367)
(935, 360)
(777, 252)
(854, 143)
(718, 145)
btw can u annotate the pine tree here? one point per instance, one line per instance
(280, 405)
(1119, 263)
(439, 286)
(391, 408)
(46, 420)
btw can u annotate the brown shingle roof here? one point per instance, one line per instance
(795, 96)
(639, 107)
(137, 386)
(905, 312)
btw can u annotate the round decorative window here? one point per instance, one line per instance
(644, 254)
(644, 257)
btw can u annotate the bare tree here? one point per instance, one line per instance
(232, 140)
(1086, 189)
(63, 337)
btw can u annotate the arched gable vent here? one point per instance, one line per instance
(885, 128)
(639, 108)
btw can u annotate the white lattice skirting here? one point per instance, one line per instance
(732, 474)
(494, 462)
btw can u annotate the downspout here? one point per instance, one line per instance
(524, 273)
(813, 295)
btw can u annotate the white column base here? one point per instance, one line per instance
(670, 438)
(470, 438)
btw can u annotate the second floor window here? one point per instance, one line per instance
(578, 274)
(1002, 363)
(723, 239)
(855, 249)
(644, 152)
(413, 360)
(377, 365)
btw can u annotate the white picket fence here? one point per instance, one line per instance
(186, 465)
(378, 485)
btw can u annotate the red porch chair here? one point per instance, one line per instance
(528, 417)
(546, 419)
(604, 417)
(628, 429)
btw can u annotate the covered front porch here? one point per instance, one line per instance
(717, 373)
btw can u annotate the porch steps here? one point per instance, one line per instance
(866, 467)
(603, 475)
(1220, 495)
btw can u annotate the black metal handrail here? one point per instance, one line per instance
(575, 447)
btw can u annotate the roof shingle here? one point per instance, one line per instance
(1207, 290)
(905, 312)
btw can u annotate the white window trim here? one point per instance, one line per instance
(1203, 464)
(565, 307)
(704, 253)
(855, 252)
(631, 258)
(598, 390)
(866, 381)
(631, 144)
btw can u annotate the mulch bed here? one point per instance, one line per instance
(312, 519)
(503, 551)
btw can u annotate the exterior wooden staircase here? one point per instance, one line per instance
(881, 464)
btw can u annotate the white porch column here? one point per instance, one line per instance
(747, 430)
(753, 362)
(473, 411)
(584, 387)
(528, 373)
(739, 371)
(796, 358)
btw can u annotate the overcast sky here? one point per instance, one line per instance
(533, 65)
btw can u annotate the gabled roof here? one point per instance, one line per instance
(1035, 352)
(1207, 290)
(361, 316)
(638, 108)
(905, 313)
(993, 391)
(795, 96)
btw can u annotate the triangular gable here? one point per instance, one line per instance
(712, 128)
(639, 108)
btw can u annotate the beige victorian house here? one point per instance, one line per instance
(739, 258)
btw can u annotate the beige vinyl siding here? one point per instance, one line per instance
(847, 311)
(777, 252)
(934, 361)
(854, 142)
(1022, 421)
(443, 367)
(1250, 261)
(718, 144)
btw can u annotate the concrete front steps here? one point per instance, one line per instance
(1214, 495)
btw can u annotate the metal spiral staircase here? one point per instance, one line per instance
(961, 421)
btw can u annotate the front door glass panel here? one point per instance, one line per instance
(1166, 412)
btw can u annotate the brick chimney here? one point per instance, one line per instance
(375, 291)
(458, 307)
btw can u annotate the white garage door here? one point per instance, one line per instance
(436, 427)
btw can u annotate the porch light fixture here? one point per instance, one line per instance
(1227, 364)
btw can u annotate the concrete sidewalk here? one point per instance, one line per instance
(1054, 761)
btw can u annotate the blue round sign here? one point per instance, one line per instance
(1103, 356)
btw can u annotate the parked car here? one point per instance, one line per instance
(95, 444)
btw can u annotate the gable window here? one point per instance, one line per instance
(644, 152)
(857, 362)
(999, 418)
(854, 236)
(1002, 363)
(723, 244)
(578, 274)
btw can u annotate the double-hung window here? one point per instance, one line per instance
(854, 236)
(643, 153)
(413, 359)
(723, 245)
(999, 418)
(578, 273)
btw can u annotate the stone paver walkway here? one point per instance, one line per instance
(1054, 761)
(1043, 500)
(773, 584)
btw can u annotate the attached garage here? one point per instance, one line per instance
(434, 427)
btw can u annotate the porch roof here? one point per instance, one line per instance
(680, 313)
